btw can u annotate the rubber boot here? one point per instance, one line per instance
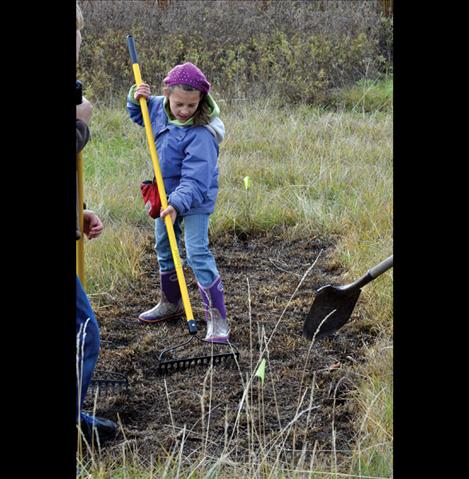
(213, 299)
(170, 306)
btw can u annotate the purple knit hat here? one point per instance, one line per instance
(187, 74)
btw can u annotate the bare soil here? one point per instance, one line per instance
(260, 275)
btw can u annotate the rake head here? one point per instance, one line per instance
(169, 365)
(108, 383)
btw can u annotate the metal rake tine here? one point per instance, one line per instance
(109, 386)
(180, 365)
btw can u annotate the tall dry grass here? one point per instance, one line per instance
(313, 172)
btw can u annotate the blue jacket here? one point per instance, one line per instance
(187, 155)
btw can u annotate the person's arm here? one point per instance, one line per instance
(83, 134)
(84, 110)
(133, 104)
(197, 172)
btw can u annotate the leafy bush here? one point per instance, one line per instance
(297, 52)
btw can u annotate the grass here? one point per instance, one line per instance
(373, 454)
(313, 172)
(366, 96)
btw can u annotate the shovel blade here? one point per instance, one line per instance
(331, 309)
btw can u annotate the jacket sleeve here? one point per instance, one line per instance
(83, 135)
(197, 171)
(134, 110)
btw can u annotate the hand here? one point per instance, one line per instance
(92, 225)
(84, 110)
(142, 90)
(169, 211)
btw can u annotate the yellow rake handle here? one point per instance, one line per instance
(80, 254)
(162, 192)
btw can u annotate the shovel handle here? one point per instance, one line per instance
(80, 244)
(370, 275)
(381, 267)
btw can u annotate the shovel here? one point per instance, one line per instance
(333, 305)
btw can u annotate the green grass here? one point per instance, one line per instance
(373, 454)
(366, 96)
(313, 172)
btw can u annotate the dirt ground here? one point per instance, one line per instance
(305, 399)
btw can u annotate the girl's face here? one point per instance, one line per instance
(183, 104)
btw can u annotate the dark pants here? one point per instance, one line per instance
(87, 343)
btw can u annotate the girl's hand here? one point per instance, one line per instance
(142, 90)
(169, 211)
(92, 225)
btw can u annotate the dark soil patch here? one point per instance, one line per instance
(260, 276)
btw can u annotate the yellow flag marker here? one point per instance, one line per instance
(247, 182)
(260, 373)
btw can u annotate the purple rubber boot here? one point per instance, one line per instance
(170, 306)
(213, 298)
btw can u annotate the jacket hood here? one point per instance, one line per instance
(216, 128)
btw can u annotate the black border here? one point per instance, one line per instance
(39, 239)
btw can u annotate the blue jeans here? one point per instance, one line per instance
(87, 341)
(199, 256)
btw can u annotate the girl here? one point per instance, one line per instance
(187, 131)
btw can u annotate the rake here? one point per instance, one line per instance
(174, 364)
(169, 365)
(108, 383)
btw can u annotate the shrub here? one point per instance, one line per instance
(295, 51)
